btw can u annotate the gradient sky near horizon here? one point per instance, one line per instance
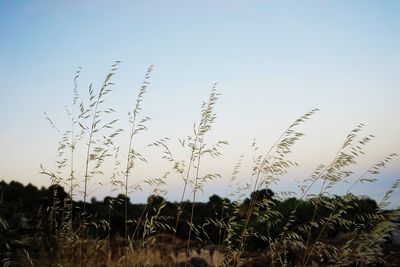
(273, 61)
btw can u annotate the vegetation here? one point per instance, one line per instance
(255, 226)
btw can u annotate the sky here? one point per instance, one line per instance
(273, 61)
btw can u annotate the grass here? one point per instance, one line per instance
(93, 131)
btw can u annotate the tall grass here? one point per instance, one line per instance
(236, 222)
(132, 154)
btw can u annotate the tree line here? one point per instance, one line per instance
(28, 210)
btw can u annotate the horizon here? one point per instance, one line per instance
(272, 62)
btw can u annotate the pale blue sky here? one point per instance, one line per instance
(273, 60)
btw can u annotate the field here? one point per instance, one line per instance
(254, 226)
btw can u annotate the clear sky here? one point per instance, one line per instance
(273, 61)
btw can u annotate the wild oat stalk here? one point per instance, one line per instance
(71, 144)
(96, 154)
(132, 154)
(198, 150)
(190, 170)
(351, 149)
(94, 113)
(268, 168)
(67, 141)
